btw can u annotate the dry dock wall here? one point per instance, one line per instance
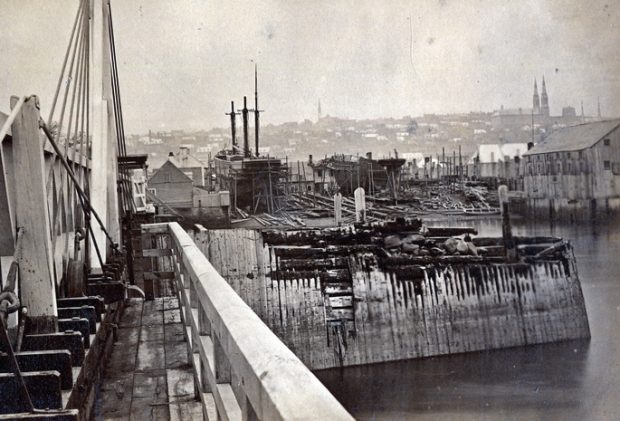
(389, 315)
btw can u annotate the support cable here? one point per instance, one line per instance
(122, 147)
(79, 124)
(69, 80)
(72, 77)
(83, 198)
(64, 65)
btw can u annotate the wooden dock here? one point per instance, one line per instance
(149, 375)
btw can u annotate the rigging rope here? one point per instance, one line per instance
(64, 64)
(76, 70)
(126, 196)
(86, 205)
(72, 75)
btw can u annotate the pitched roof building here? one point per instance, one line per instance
(575, 169)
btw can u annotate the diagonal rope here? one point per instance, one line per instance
(128, 204)
(64, 65)
(69, 80)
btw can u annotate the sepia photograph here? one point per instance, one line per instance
(309, 210)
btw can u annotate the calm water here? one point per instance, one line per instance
(572, 380)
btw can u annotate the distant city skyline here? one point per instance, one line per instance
(182, 62)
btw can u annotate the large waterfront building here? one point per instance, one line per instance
(575, 170)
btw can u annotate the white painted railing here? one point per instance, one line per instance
(243, 371)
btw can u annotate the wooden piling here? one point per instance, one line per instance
(37, 282)
(509, 243)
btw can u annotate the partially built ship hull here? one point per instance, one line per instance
(357, 302)
(254, 183)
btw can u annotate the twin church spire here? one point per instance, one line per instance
(541, 104)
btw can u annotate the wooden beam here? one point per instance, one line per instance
(113, 222)
(156, 252)
(100, 135)
(37, 281)
(7, 217)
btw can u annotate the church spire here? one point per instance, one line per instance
(544, 99)
(536, 107)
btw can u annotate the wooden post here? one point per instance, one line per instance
(298, 176)
(443, 161)
(113, 222)
(303, 171)
(460, 164)
(103, 186)
(270, 204)
(509, 243)
(37, 283)
(337, 209)
(313, 186)
(360, 205)
(99, 128)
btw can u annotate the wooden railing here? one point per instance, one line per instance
(242, 370)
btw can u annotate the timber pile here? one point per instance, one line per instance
(405, 241)
(419, 200)
(437, 199)
(363, 266)
(281, 219)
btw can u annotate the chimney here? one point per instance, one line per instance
(369, 155)
(183, 155)
(530, 145)
(309, 159)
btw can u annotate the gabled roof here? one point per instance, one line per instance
(575, 138)
(176, 175)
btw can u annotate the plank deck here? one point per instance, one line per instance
(148, 375)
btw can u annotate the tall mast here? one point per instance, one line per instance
(256, 110)
(233, 126)
(244, 115)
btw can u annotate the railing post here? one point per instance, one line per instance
(222, 365)
(204, 328)
(204, 324)
(147, 265)
(37, 283)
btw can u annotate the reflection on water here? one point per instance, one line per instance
(570, 380)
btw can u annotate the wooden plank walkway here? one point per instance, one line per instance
(148, 376)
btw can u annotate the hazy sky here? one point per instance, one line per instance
(181, 62)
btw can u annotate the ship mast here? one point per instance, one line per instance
(244, 114)
(233, 126)
(256, 110)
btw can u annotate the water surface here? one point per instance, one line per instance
(577, 380)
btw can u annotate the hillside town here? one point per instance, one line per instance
(505, 146)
